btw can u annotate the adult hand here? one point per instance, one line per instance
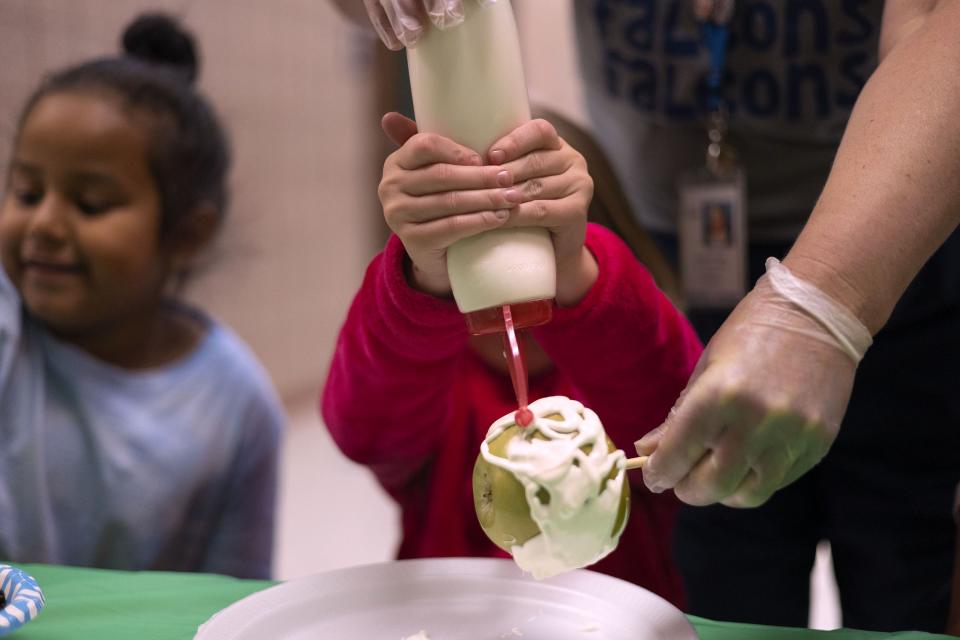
(401, 23)
(765, 402)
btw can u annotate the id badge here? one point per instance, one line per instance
(713, 243)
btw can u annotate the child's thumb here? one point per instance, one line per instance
(398, 127)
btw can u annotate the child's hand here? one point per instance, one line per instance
(556, 191)
(435, 192)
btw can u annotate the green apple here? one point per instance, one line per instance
(501, 501)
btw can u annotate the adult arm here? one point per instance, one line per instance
(767, 398)
(893, 195)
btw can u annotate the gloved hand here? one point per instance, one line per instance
(400, 23)
(765, 401)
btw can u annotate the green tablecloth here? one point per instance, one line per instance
(93, 604)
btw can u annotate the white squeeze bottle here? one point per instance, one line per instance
(468, 85)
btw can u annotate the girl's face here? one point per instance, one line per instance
(80, 217)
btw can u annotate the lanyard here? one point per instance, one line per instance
(715, 34)
(715, 37)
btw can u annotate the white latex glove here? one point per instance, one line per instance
(765, 401)
(400, 23)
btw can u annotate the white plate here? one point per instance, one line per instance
(449, 599)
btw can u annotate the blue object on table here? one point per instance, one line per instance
(20, 599)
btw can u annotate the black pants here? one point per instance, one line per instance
(883, 495)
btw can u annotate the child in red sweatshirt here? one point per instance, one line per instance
(411, 395)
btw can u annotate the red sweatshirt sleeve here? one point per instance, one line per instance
(625, 348)
(390, 386)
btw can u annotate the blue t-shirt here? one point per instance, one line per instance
(173, 468)
(794, 69)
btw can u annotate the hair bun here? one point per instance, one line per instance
(159, 39)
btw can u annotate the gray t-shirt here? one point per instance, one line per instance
(173, 468)
(794, 70)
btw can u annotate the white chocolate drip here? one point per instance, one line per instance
(576, 524)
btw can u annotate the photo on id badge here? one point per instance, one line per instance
(717, 225)
(712, 242)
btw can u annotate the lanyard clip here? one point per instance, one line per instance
(721, 157)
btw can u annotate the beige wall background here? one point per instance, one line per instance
(291, 83)
(549, 56)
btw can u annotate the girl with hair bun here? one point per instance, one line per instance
(137, 432)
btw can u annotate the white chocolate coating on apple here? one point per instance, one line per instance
(577, 523)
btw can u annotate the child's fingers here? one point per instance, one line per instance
(551, 214)
(398, 127)
(530, 136)
(551, 187)
(425, 149)
(446, 231)
(440, 178)
(419, 209)
(538, 164)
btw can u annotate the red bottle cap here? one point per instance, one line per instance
(525, 315)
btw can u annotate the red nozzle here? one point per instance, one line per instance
(517, 367)
(523, 417)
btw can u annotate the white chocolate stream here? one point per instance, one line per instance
(577, 523)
